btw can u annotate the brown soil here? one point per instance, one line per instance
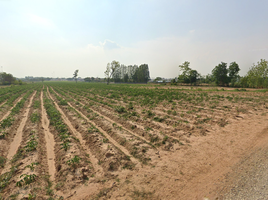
(196, 161)
(50, 144)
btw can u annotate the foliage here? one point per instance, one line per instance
(220, 74)
(75, 160)
(110, 69)
(31, 145)
(26, 179)
(32, 165)
(233, 73)
(188, 75)
(133, 74)
(75, 75)
(35, 117)
(2, 161)
(6, 79)
(257, 76)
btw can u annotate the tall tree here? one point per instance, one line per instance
(75, 75)
(220, 74)
(188, 75)
(233, 73)
(143, 74)
(6, 79)
(257, 76)
(110, 69)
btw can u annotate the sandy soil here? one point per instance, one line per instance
(222, 163)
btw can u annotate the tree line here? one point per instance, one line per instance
(127, 74)
(222, 75)
(8, 79)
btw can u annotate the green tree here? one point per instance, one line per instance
(188, 75)
(6, 79)
(110, 69)
(257, 76)
(143, 74)
(233, 73)
(75, 75)
(220, 74)
(125, 78)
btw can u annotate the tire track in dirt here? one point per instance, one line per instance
(50, 143)
(79, 136)
(18, 137)
(125, 151)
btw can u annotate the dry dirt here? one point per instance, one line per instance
(224, 163)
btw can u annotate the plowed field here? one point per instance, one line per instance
(93, 141)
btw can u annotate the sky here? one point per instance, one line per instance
(53, 38)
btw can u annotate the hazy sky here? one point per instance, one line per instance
(55, 37)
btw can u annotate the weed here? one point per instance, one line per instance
(164, 140)
(74, 161)
(120, 109)
(65, 146)
(3, 134)
(26, 179)
(31, 196)
(32, 165)
(2, 161)
(105, 140)
(35, 117)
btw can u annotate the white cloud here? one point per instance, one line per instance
(109, 45)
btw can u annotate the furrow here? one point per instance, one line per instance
(125, 151)
(18, 137)
(50, 143)
(78, 135)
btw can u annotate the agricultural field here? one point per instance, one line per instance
(96, 141)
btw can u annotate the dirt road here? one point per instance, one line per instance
(248, 178)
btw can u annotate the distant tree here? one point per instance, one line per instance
(157, 79)
(117, 75)
(188, 75)
(233, 73)
(110, 69)
(220, 74)
(75, 75)
(6, 79)
(125, 78)
(143, 74)
(87, 79)
(173, 82)
(257, 76)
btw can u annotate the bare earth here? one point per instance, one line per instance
(228, 162)
(199, 171)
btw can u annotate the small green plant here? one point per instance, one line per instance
(31, 145)
(35, 117)
(105, 140)
(63, 102)
(26, 179)
(2, 161)
(7, 122)
(65, 145)
(120, 109)
(164, 140)
(32, 165)
(3, 134)
(31, 196)
(75, 160)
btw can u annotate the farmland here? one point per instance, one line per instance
(98, 141)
